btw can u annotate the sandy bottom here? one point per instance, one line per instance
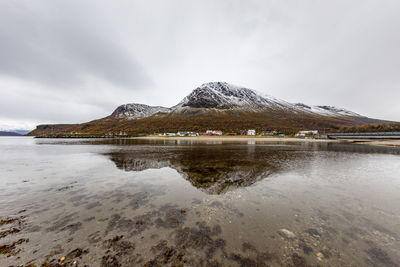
(392, 143)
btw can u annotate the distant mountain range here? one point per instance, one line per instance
(215, 105)
(7, 133)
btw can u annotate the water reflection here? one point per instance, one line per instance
(215, 170)
(223, 167)
(124, 202)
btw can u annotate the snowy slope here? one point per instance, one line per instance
(222, 95)
(137, 111)
(225, 96)
(329, 111)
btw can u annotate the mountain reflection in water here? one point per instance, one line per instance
(138, 202)
(218, 169)
(209, 168)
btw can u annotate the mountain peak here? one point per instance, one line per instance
(135, 111)
(223, 95)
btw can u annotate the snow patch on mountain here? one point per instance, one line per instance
(222, 95)
(329, 111)
(137, 111)
(214, 96)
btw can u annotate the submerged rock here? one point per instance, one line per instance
(286, 234)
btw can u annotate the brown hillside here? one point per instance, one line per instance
(202, 120)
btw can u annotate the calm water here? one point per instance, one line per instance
(187, 203)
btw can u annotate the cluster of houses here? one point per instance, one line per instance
(116, 134)
(209, 133)
(250, 132)
(311, 133)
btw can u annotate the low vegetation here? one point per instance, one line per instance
(227, 121)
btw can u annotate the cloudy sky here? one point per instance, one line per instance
(74, 61)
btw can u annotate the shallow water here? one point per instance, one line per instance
(174, 203)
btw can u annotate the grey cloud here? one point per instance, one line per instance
(72, 61)
(58, 44)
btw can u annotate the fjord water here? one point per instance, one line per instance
(140, 202)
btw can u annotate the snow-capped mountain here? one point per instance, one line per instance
(225, 96)
(222, 95)
(216, 105)
(137, 111)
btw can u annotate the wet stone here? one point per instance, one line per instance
(298, 260)
(313, 232)
(286, 234)
(305, 247)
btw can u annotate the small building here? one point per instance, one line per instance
(269, 133)
(121, 133)
(251, 132)
(307, 133)
(213, 132)
(187, 133)
(181, 133)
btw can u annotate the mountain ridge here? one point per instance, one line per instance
(216, 105)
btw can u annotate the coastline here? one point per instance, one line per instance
(385, 143)
(239, 138)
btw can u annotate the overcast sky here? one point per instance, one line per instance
(74, 61)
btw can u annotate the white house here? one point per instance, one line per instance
(305, 133)
(213, 132)
(251, 132)
(187, 134)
